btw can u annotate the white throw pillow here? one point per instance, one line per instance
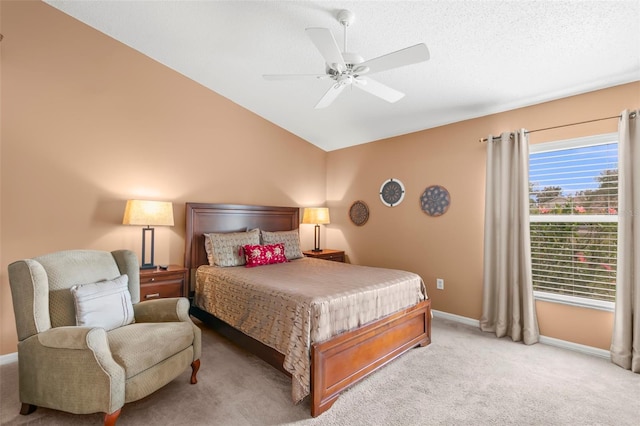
(105, 304)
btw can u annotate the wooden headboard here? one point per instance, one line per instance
(202, 218)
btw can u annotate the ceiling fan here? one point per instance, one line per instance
(348, 69)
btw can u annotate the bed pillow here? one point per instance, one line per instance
(208, 247)
(290, 239)
(226, 248)
(105, 304)
(257, 255)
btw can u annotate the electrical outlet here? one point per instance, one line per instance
(439, 283)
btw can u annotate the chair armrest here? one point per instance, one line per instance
(162, 310)
(71, 337)
(74, 359)
(169, 310)
(81, 340)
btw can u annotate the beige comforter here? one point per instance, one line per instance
(290, 306)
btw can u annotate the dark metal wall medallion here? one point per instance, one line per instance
(435, 200)
(359, 213)
(392, 192)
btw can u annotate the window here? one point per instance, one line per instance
(573, 199)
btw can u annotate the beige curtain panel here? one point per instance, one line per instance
(625, 343)
(508, 305)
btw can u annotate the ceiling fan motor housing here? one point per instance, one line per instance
(352, 58)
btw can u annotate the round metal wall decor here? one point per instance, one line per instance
(392, 192)
(359, 213)
(435, 200)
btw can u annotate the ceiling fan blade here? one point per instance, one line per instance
(330, 96)
(326, 44)
(378, 89)
(295, 76)
(399, 58)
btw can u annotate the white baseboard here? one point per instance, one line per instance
(9, 358)
(589, 350)
(457, 318)
(551, 341)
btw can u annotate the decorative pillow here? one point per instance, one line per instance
(226, 248)
(257, 255)
(105, 304)
(290, 239)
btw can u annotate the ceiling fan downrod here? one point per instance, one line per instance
(346, 18)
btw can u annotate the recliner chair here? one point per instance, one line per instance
(95, 368)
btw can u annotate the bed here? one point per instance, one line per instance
(329, 362)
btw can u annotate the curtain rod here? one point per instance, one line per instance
(632, 115)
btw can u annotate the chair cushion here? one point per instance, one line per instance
(105, 304)
(140, 346)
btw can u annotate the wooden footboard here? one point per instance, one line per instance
(348, 358)
(344, 360)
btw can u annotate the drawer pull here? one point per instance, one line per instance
(153, 279)
(152, 295)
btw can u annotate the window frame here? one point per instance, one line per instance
(559, 145)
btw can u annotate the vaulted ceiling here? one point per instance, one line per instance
(485, 56)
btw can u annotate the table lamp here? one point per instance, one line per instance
(148, 213)
(316, 216)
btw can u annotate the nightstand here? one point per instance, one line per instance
(159, 283)
(326, 254)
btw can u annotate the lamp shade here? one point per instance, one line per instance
(148, 213)
(316, 215)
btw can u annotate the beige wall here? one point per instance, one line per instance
(450, 246)
(88, 123)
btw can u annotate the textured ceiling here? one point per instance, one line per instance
(486, 56)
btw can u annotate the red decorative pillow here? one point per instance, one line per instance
(257, 255)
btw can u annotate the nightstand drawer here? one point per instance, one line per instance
(334, 257)
(161, 290)
(161, 277)
(159, 283)
(326, 254)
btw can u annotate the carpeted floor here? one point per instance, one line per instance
(465, 377)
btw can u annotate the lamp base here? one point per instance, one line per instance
(316, 239)
(147, 262)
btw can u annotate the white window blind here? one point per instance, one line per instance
(573, 198)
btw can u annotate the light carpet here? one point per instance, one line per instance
(465, 377)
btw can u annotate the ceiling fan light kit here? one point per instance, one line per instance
(348, 68)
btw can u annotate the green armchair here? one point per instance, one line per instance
(88, 369)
